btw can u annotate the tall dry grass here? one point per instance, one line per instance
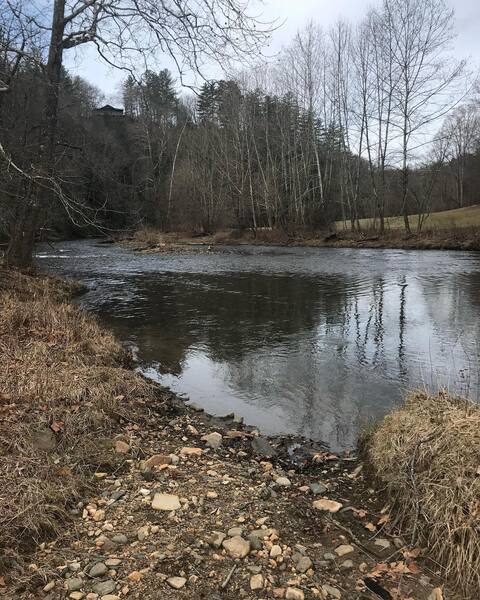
(64, 386)
(427, 455)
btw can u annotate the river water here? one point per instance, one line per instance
(310, 341)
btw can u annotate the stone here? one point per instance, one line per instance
(318, 489)
(102, 588)
(76, 595)
(98, 570)
(216, 539)
(261, 447)
(262, 534)
(213, 440)
(120, 538)
(235, 531)
(331, 591)
(75, 566)
(177, 583)
(74, 584)
(191, 452)
(143, 532)
(329, 556)
(113, 562)
(327, 505)
(135, 576)
(344, 549)
(121, 447)
(283, 481)
(304, 564)
(256, 582)
(238, 419)
(382, 543)
(165, 502)
(109, 597)
(237, 547)
(278, 592)
(255, 542)
(50, 585)
(294, 594)
(347, 565)
(158, 460)
(275, 551)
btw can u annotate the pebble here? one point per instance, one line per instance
(327, 505)
(191, 452)
(235, 531)
(331, 591)
(275, 551)
(143, 532)
(294, 594)
(382, 543)
(50, 585)
(304, 564)
(76, 595)
(103, 588)
(98, 570)
(99, 515)
(344, 549)
(256, 582)
(113, 562)
(283, 481)
(216, 539)
(213, 440)
(255, 542)
(135, 576)
(329, 556)
(177, 583)
(165, 502)
(318, 489)
(73, 584)
(121, 447)
(120, 538)
(347, 565)
(237, 547)
(261, 447)
(158, 460)
(109, 597)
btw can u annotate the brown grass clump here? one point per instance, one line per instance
(64, 386)
(427, 454)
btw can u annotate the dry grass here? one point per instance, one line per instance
(469, 216)
(63, 389)
(427, 454)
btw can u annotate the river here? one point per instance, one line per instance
(311, 341)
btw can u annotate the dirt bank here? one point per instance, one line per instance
(151, 241)
(112, 487)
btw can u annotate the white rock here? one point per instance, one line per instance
(294, 594)
(283, 481)
(177, 583)
(165, 502)
(275, 551)
(256, 582)
(213, 440)
(344, 549)
(327, 505)
(237, 547)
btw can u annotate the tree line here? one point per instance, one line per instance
(365, 121)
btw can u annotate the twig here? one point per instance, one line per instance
(228, 577)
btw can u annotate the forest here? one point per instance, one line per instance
(367, 120)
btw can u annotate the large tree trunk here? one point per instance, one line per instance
(22, 237)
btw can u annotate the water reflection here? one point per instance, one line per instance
(306, 341)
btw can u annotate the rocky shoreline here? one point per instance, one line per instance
(203, 507)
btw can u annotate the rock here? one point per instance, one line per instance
(263, 534)
(304, 564)
(157, 460)
(99, 515)
(103, 588)
(121, 447)
(196, 407)
(76, 595)
(344, 549)
(174, 458)
(238, 419)
(256, 582)
(329, 556)
(294, 594)
(74, 584)
(347, 565)
(165, 502)
(235, 531)
(255, 542)
(318, 489)
(120, 538)
(143, 532)
(327, 505)
(237, 547)
(278, 592)
(135, 576)
(177, 583)
(213, 440)
(113, 562)
(436, 594)
(382, 543)
(98, 570)
(331, 591)
(191, 452)
(283, 481)
(261, 447)
(109, 597)
(275, 551)
(74, 566)
(216, 539)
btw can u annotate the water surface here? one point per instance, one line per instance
(308, 341)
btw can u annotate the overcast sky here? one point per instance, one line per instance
(294, 14)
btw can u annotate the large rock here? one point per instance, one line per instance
(213, 440)
(261, 447)
(327, 505)
(237, 547)
(165, 502)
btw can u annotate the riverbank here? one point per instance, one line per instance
(152, 241)
(112, 487)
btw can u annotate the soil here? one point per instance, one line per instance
(298, 551)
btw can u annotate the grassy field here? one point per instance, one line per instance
(448, 219)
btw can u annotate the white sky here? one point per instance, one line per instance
(295, 13)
